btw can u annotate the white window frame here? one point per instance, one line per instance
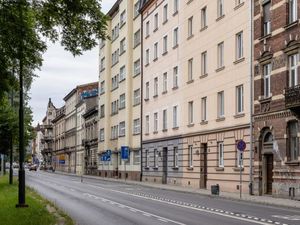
(221, 105)
(204, 63)
(165, 82)
(156, 19)
(239, 46)
(267, 69)
(190, 112)
(175, 77)
(175, 156)
(147, 124)
(190, 156)
(155, 86)
(155, 158)
(175, 116)
(221, 154)
(136, 97)
(147, 29)
(190, 69)
(293, 10)
(239, 99)
(165, 44)
(122, 129)
(220, 55)
(165, 13)
(293, 70)
(204, 109)
(220, 8)
(155, 122)
(147, 90)
(122, 75)
(175, 37)
(203, 17)
(175, 6)
(137, 67)
(190, 26)
(147, 158)
(165, 119)
(147, 57)
(155, 51)
(136, 126)
(122, 101)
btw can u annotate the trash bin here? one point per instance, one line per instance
(215, 189)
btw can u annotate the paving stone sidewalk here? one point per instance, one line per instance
(267, 200)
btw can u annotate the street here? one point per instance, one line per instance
(94, 202)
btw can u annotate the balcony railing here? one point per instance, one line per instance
(292, 97)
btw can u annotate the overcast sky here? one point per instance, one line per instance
(60, 73)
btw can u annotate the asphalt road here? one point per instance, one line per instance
(98, 202)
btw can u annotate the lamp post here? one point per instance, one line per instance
(21, 202)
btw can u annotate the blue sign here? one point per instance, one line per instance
(106, 156)
(108, 152)
(124, 152)
(62, 161)
(241, 145)
(89, 93)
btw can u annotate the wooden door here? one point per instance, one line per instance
(269, 173)
(165, 165)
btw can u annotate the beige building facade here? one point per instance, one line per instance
(120, 91)
(196, 92)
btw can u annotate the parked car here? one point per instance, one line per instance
(33, 167)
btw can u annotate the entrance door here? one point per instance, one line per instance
(203, 166)
(269, 173)
(165, 165)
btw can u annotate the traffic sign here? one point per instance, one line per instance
(241, 145)
(124, 152)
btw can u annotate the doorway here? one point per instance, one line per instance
(269, 173)
(203, 166)
(165, 165)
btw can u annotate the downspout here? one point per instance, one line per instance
(142, 99)
(76, 107)
(251, 99)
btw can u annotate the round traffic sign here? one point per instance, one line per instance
(241, 145)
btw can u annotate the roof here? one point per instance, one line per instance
(144, 4)
(114, 8)
(70, 94)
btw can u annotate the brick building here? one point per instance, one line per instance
(276, 98)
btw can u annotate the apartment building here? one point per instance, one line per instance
(73, 114)
(120, 91)
(276, 98)
(47, 139)
(59, 141)
(196, 92)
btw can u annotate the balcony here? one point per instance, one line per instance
(292, 99)
(47, 138)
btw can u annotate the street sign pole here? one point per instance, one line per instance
(241, 154)
(241, 146)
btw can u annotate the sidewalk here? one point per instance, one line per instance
(266, 200)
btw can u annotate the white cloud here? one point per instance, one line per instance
(60, 73)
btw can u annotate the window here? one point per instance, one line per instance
(137, 38)
(102, 64)
(165, 13)
(102, 113)
(239, 45)
(114, 107)
(147, 30)
(147, 90)
(102, 87)
(191, 112)
(122, 101)
(175, 77)
(136, 157)
(238, 2)
(240, 99)
(175, 157)
(136, 126)
(220, 154)
(136, 8)
(165, 44)
(190, 69)
(155, 86)
(122, 46)
(122, 73)
(122, 18)
(267, 18)
(165, 118)
(204, 109)
(101, 138)
(137, 67)
(220, 104)
(115, 32)
(293, 11)
(175, 122)
(147, 58)
(239, 159)
(115, 82)
(220, 9)
(204, 63)
(220, 55)
(293, 70)
(175, 37)
(165, 82)
(293, 141)
(147, 125)
(155, 156)
(155, 21)
(267, 77)
(147, 158)
(115, 57)
(114, 132)
(136, 97)
(190, 27)
(122, 129)
(176, 5)
(155, 51)
(155, 118)
(190, 155)
(203, 18)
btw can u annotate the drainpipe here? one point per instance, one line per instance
(142, 95)
(251, 98)
(76, 134)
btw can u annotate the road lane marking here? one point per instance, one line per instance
(134, 209)
(233, 216)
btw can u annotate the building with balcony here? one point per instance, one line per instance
(120, 91)
(276, 98)
(196, 91)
